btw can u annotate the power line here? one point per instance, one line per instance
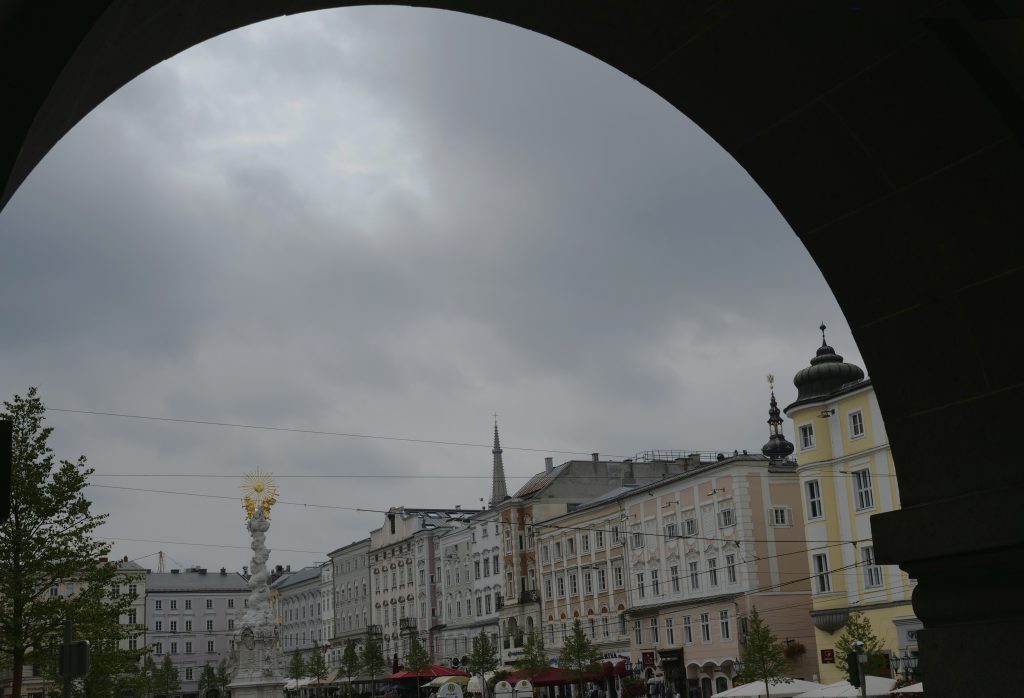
(201, 545)
(235, 499)
(317, 432)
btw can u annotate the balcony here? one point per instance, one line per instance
(529, 596)
(407, 624)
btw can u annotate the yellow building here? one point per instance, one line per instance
(846, 476)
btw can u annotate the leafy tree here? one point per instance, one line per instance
(534, 659)
(858, 627)
(145, 679)
(763, 658)
(224, 677)
(373, 663)
(47, 541)
(166, 681)
(351, 663)
(296, 667)
(578, 653)
(316, 667)
(208, 678)
(417, 659)
(483, 658)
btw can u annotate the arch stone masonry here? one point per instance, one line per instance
(889, 134)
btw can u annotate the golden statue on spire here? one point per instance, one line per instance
(260, 493)
(771, 381)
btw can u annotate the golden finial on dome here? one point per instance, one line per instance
(771, 381)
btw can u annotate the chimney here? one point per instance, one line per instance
(627, 474)
(595, 457)
(458, 507)
(694, 460)
(549, 464)
(223, 571)
(125, 559)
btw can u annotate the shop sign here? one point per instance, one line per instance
(647, 658)
(828, 656)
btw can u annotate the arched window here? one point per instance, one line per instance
(721, 684)
(705, 688)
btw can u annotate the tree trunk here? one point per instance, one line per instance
(19, 666)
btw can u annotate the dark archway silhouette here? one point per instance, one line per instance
(889, 134)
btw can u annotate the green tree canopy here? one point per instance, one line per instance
(351, 663)
(316, 667)
(858, 627)
(208, 678)
(483, 658)
(166, 681)
(534, 659)
(417, 658)
(578, 653)
(296, 667)
(373, 663)
(763, 658)
(224, 676)
(51, 566)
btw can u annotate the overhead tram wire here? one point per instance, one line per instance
(504, 523)
(417, 476)
(317, 432)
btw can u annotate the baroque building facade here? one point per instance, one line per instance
(847, 475)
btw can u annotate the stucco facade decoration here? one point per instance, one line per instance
(404, 570)
(548, 494)
(300, 611)
(457, 601)
(701, 550)
(487, 574)
(846, 476)
(351, 589)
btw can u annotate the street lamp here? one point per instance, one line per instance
(737, 667)
(908, 662)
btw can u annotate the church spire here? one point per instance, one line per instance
(499, 492)
(777, 448)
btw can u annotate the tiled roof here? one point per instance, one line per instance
(194, 581)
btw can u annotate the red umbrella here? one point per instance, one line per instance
(553, 677)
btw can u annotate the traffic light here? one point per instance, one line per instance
(6, 467)
(853, 669)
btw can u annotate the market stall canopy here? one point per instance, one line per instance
(442, 680)
(912, 688)
(877, 687)
(757, 689)
(429, 672)
(554, 677)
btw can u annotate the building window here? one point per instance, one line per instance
(806, 437)
(616, 536)
(570, 546)
(638, 538)
(188, 604)
(159, 626)
(574, 587)
(638, 633)
(604, 627)
(862, 489)
(655, 586)
(188, 647)
(174, 648)
(872, 572)
(547, 588)
(599, 539)
(641, 590)
(174, 604)
(158, 648)
(560, 583)
(588, 583)
(690, 527)
(780, 516)
(713, 571)
(723, 619)
(674, 571)
(705, 627)
(813, 490)
(209, 646)
(726, 518)
(618, 577)
(687, 631)
(585, 542)
(670, 632)
(231, 603)
(695, 575)
(856, 424)
(231, 623)
(209, 603)
(209, 625)
(821, 574)
(558, 550)
(730, 568)
(174, 626)
(133, 644)
(602, 580)
(654, 630)
(188, 673)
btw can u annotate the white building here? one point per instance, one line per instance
(350, 578)
(301, 610)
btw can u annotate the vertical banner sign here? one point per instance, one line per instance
(6, 466)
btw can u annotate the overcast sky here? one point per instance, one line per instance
(389, 221)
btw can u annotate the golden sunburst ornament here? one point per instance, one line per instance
(260, 492)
